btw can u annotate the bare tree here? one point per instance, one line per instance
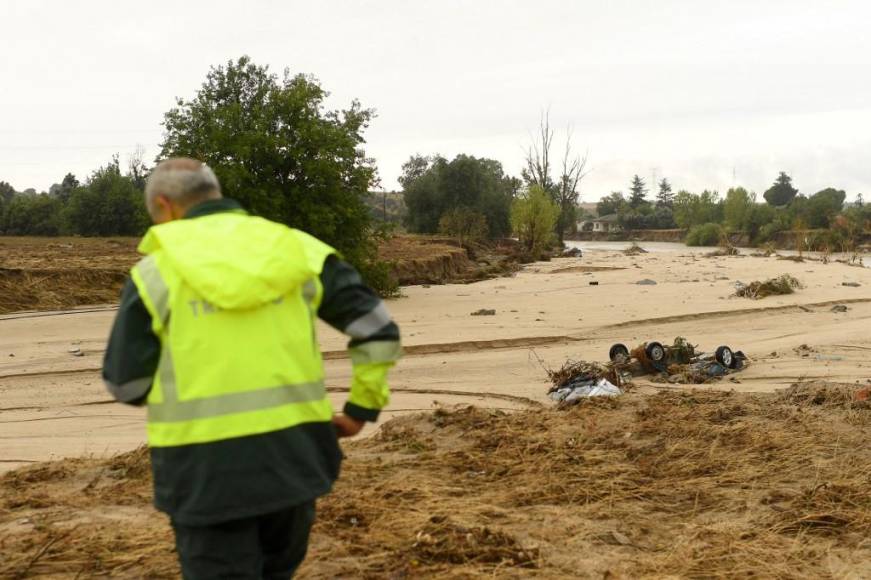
(538, 172)
(136, 166)
(574, 169)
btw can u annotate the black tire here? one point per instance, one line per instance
(655, 352)
(619, 353)
(726, 357)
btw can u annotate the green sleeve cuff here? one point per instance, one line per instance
(361, 413)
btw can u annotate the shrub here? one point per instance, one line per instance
(704, 235)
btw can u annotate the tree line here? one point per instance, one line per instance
(473, 199)
(708, 217)
(108, 203)
(278, 150)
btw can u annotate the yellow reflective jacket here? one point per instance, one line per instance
(233, 299)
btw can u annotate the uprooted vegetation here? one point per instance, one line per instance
(784, 284)
(693, 484)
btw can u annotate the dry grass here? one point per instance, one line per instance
(690, 484)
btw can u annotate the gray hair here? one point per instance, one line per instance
(183, 180)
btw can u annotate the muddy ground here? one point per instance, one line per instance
(662, 482)
(694, 484)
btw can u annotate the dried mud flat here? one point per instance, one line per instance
(694, 484)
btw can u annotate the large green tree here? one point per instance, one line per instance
(782, 192)
(610, 204)
(823, 206)
(108, 204)
(278, 150)
(434, 186)
(692, 209)
(737, 208)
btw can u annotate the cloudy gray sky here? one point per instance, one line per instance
(706, 93)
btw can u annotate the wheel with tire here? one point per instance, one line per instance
(655, 352)
(726, 357)
(619, 353)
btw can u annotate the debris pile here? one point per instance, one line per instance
(784, 284)
(578, 380)
(680, 362)
(634, 250)
(484, 312)
(725, 250)
(571, 253)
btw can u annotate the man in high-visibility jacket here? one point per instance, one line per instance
(216, 335)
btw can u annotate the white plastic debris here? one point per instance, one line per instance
(574, 392)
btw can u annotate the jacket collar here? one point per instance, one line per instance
(211, 206)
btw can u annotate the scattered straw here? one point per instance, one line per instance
(681, 484)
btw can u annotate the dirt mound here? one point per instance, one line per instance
(437, 260)
(680, 484)
(58, 289)
(58, 273)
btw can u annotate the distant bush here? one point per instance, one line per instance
(768, 231)
(704, 235)
(464, 224)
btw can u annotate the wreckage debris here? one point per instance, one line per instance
(572, 253)
(781, 285)
(484, 312)
(579, 380)
(678, 363)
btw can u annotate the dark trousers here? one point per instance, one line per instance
(269, 547)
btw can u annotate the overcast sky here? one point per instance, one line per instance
(706, 93)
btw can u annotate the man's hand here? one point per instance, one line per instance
(347, 426)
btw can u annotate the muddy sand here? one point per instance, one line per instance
(504, 492)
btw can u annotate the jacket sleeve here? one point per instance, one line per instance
(133, 352)
(353, 308)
